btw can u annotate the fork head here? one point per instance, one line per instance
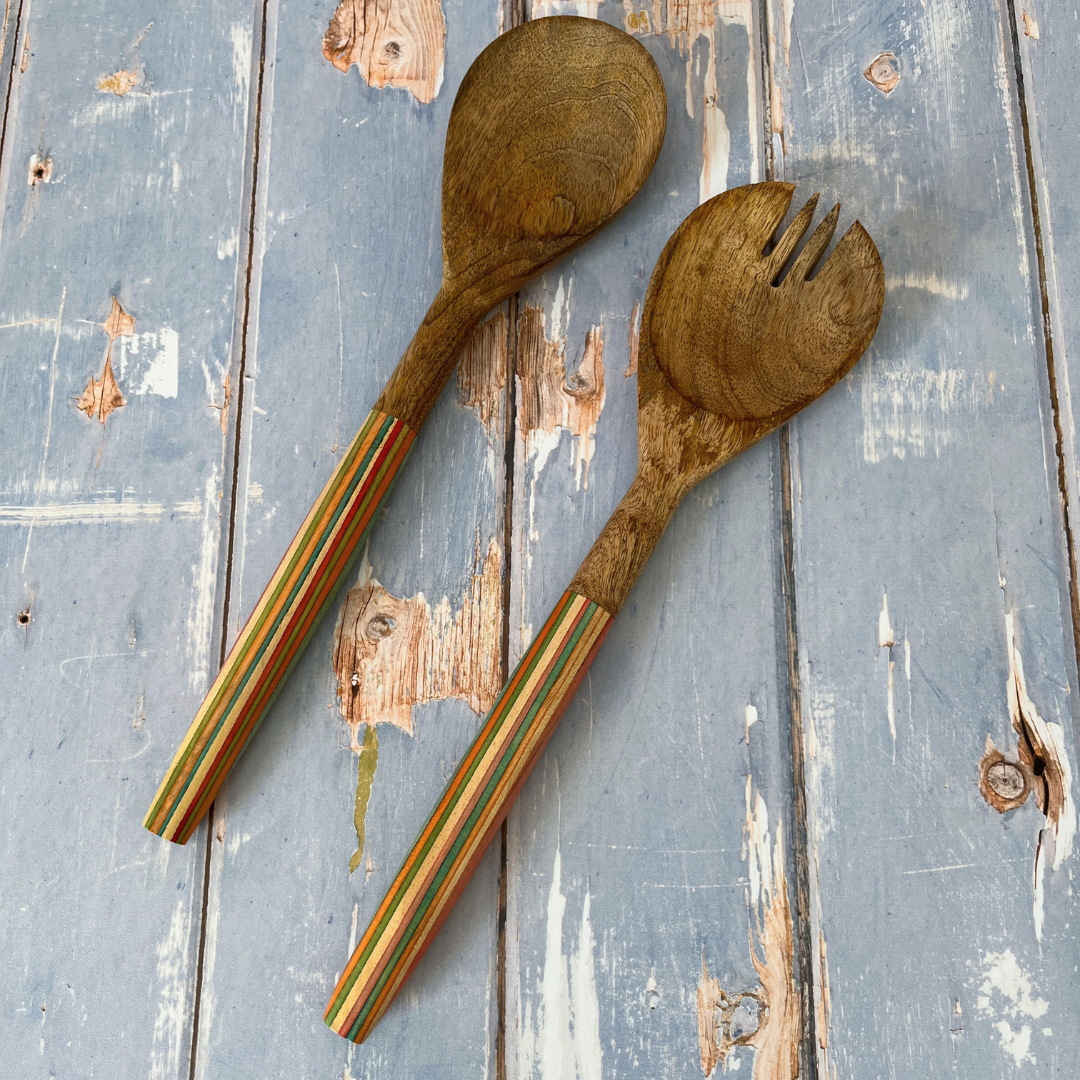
(735, 335)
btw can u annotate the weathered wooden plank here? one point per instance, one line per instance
(347, 264)
(650, 850)
(1046, 42)
(929, 563)
(122, 177)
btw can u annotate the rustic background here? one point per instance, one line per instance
(775, 831)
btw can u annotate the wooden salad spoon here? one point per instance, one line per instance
(727, 353)
(554, 129)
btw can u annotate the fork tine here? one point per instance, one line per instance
(818, 242)
(792, 235)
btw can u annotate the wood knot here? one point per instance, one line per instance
(1005, 785)
(379, 627)
(884, 72)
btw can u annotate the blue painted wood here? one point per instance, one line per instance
(932, 480)
(628, 861)
(348, 260)
(109, 536)
(923, 479)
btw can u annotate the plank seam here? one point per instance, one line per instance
(11, 72)
(1047, 324)
(238, 413)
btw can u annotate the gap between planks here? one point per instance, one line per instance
(251, 203)
(1047, 324)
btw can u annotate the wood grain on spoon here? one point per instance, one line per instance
(555, 126)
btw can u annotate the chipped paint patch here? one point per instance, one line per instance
(119, 82)
(203, 580)
(391, 653)
(914, 412)
(1007, 989)
(96, 512)
(776, 1000)
(481, 375)
(772, 946)
(564, 1040)
(153, 359)
(1041, 748)
(930, 283)
(392, 42)
(550, 400)
(683, 22)
(170, 1020)
(1031, 25)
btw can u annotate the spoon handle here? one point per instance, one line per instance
(492, 772)
(309, 575)
(280, 626)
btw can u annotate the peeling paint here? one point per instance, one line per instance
(96, 512)
(119, 82)
(102, 396)
(772, 947)
(481, 375)
(392, 42)
(684, 22)
(564, 1041)
(153, 358)
(550, 400)
(200, 622)
(40, 171)
(1042, 752)
(1031, 25)
(1007, 989)
(391, 653)
(170, 1020)
(915, 412)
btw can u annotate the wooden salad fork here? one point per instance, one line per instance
(554, 129)
(728, 351)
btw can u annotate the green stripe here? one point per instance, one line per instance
(501, 708)
(466, 832)
(287, 611)
(244, 658)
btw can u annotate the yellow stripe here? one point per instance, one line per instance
(519, 763)
(421, 882)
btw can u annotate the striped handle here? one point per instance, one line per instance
(469, 814)
(280, 626)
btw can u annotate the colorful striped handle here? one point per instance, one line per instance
(280, 626)
(469, 814)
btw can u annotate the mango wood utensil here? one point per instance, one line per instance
(554, 129)
(726, 354)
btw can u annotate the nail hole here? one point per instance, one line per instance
(24, 617)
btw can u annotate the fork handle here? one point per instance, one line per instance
(468, 815)
(280, 626)
(491, 774)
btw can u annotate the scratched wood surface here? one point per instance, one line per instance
(123, 177)
(659, 890)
